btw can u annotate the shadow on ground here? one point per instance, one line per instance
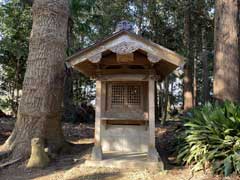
(95, 176)
(63, 163)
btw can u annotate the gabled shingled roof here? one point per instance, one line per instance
(124, 42)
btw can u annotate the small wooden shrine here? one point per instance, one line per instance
(125, 67)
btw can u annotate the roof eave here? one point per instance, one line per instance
(171, 56)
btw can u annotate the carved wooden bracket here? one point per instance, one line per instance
(152, 58)
(125, 48)
(95, 58)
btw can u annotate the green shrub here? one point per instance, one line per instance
(212, 139)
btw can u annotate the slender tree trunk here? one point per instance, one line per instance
(195, 100)
(226, 62)
(39, 112)
(206, 91)
(69, 107)
(160, 102)
(16, 88)
(198, 49)
(172, 101)
(141, 17)
(166, 101)
(205, 74)
(156, 103)
(187, 80)
(13, 113)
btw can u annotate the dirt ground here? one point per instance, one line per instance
(70, 166)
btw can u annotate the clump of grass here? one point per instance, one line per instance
(212, 139)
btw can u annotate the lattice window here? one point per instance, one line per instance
(133, 94)
(118, 94)
(125, 94)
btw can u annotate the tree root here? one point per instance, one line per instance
(7, 158)
(9, 163)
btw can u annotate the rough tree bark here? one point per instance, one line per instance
(40, 107)
(188, 74)
(226, 62)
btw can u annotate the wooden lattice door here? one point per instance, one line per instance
(125, 99)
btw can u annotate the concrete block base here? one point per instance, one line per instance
(125, 161)
(97, 153)
(124, 138)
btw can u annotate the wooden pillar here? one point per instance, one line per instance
(152, 152)
(151, 111)
(98, 114)
(97, 149)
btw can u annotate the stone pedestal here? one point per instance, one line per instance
(97, 153)
(121, 160)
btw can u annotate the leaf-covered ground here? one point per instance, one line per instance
(70, 166)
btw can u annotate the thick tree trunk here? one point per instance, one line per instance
(238, 20)
(39, 112)
(188, 74)
(226, 65)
